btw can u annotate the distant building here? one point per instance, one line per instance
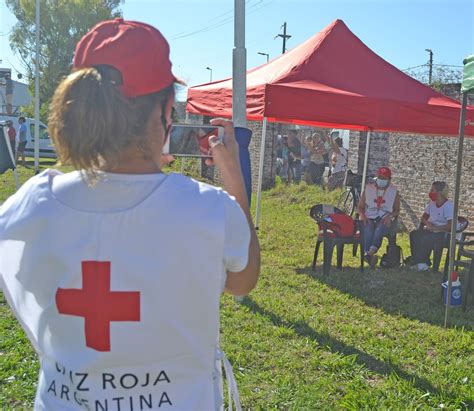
(21, 93)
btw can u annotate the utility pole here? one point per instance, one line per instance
(284, 36)
(430, 78)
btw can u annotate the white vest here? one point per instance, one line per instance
(378, 201)
(119, 324)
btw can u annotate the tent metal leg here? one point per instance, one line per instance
(452, 241)
(260, 171)
(366, 160)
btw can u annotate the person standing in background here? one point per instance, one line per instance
(305, 159)
(317, 151)
(11, 136)
(21, 140)
(285, 172)
(294, 156)
(338, 162)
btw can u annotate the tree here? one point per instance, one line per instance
(63, 23)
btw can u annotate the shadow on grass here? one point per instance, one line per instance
(397, 291)
(302, 329)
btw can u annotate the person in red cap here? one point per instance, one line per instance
(379, 205)
(115, 270)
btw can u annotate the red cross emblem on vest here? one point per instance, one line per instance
(98, 304)
(379, 201)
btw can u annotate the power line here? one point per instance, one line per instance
(213, 24)
(447, 65)
(177, 35)
(427, 64)
(414, 67)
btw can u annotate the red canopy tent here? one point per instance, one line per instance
(335, 80)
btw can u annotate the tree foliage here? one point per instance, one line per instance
(62, 24)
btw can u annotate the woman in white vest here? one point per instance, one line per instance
(435, 226)
(115, 270)
(379, 205)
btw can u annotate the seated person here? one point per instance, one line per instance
(379, 205)
(435, 226)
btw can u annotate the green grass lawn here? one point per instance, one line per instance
(371, 340)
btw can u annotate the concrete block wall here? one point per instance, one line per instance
(379, 151)
(416, 161)
(269, 162)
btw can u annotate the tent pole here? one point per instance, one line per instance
(452, 241)
(260, 171)
(239, 95)
(12, 157)
(366, 160)
(37, 98)
(17, 180)
(239, 64)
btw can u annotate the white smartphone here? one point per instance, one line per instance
(191, 140)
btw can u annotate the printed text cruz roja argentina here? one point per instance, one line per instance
(75, 386)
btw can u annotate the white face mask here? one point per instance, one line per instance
(381, 183)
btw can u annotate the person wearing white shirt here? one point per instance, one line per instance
(338, 162)
(115, 270)
(435, 226)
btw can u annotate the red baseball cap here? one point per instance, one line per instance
(139, 51)
(384, 172)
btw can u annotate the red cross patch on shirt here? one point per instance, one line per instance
(379, 201)
(98, 304)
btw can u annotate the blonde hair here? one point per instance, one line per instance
(91, 122)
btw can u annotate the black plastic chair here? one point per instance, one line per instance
(438, 249)
(330, 239)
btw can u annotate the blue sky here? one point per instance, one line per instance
(200, 32)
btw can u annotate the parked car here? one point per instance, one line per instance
(46, 148)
